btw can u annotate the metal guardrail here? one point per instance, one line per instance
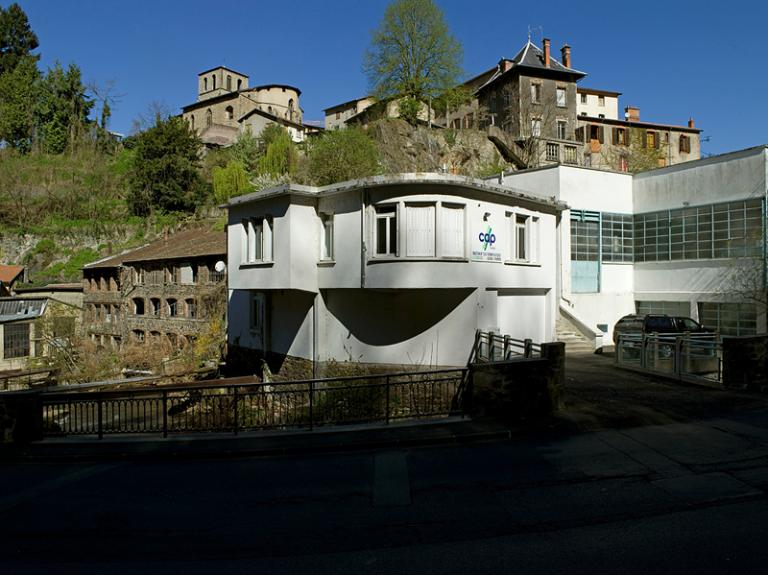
(490, 346)
(238, 406)
(693, 357)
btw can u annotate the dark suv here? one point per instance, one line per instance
(641, 324)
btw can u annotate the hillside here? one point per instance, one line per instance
(59, 212)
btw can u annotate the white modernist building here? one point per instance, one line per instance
(390, 269)
(684, 240)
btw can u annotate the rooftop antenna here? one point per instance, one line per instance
(532, 29)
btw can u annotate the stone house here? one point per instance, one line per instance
(166, 292)
(537, 115)
(227, 106)
(337, 116)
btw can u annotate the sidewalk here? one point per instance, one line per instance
(330, 439)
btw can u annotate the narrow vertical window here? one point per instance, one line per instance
(386, 231)
(561, 100)
(327, 237)
(521, 237)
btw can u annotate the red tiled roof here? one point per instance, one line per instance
(9, 274)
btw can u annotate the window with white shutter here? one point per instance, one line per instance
(420, 226)
(452, 236)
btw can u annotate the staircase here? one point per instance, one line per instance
(575, 341)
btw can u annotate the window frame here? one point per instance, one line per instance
(327, 237)
(522, 221)
(250, 241)
(389, 213)
(564, 91)
(17, 345)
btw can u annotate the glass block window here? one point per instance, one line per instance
(729, 318)
(676, 308)
(618, 233)
(585, 230)
(727, 230)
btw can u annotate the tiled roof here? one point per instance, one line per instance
(9, 274)
(186, 244)
(531, 56)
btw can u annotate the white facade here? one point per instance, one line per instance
(693, 237)
(390, 270)
(597, 104)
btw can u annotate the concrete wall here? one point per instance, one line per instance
(609, 109)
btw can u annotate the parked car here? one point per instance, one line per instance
(642, 324)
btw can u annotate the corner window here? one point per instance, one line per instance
(257, 240)
(326, 244)
(561, 98)
(386, 231)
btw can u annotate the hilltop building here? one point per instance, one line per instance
(227, 106)
(537, 115)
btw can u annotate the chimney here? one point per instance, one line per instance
(504, 65)
(546, 52)
(565, 51)
(691, 123)
(632, 114)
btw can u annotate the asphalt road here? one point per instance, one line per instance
(677, 497)
(636, 475)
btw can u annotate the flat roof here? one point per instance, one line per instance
(638, 123)
(596, 92)
(422, 178)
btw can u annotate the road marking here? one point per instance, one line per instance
(36, 491)
(391, 485)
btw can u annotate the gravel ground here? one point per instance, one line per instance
(600, 395)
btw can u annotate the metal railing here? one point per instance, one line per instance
(237, 406)
(490, 346)
(685, 356)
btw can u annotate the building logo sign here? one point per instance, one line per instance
(485, 245)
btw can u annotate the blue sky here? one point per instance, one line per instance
(673, 59)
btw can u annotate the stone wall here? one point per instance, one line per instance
(745, 361)
(519, 389)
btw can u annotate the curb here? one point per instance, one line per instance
(299, 443)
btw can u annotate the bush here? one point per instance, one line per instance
(340, 155)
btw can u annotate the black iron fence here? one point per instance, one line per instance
(235, 406)
(686, 356)
(490, 346)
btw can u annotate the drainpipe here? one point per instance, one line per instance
(363, 197)
(314, 335)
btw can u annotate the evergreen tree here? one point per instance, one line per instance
(63, 108)
(164, 173)
(18, 101)
(17, 40)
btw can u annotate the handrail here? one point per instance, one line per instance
(233, 383)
